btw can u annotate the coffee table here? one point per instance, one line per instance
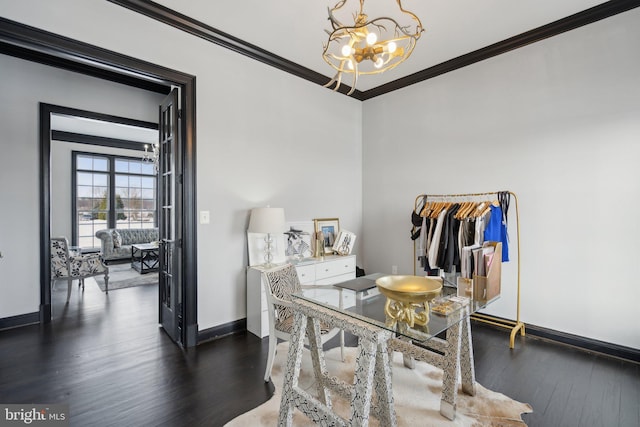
(144, 257)
(377, 338)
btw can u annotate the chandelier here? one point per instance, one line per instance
(369, 46)
(152, 156)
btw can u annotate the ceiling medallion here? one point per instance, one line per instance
(369, 46)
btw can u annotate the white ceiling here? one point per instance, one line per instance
(295, 29)
(93, 127)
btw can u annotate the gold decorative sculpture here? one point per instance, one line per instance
(408, 298)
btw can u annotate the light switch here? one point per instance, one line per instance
(204, 217)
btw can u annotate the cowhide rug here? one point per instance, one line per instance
(416, 395)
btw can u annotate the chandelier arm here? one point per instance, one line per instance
(355, 78)
(413, 15)
(334, 22)
(339, 81)
(398, 26)
(332, 81)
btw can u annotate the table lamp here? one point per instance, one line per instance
(267, 221)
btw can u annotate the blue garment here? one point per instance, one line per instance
(496, 231)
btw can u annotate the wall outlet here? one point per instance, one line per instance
(394, 269)
(204, 217)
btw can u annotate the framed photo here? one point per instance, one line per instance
(344, 243)
(329, 227)
(256, 245)
(298, 240)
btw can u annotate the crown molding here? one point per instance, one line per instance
(200, 29)
(33, 44)
(560, 26)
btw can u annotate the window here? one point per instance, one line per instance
(111, 192)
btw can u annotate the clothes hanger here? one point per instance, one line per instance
(472, 207)
(477, 212)
(464, 206)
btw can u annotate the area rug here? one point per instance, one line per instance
(123, 276)
(416, 395)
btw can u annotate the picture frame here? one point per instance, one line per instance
(299, 240)
(330, 227)
(344, 243)
(256, 245)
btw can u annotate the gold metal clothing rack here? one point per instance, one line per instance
(496, 321)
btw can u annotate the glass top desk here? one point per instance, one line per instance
(362, 314)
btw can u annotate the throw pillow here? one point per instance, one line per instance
(117, 239)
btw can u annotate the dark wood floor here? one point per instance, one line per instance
(106, 357)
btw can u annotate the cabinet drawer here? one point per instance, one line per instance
(306, 273)
(335, 268)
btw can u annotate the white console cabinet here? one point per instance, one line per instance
(327, 271)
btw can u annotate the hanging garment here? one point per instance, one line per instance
(422, 243)
(451, 261)
(444, 237)
(416, 219)
(496, 231)
(480, 225)
(435, 240)
(466, 233)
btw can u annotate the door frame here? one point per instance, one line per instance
(36, 45)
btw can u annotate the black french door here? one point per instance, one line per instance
(169, 216)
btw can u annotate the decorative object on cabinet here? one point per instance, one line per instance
(256, 246)
(329, 227)
(299, 239)
(424, 202)
(344, 243)
(327, 271)
(280, 283)
(269, 221)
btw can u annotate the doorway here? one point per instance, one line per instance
(104, 181)
(40, 46)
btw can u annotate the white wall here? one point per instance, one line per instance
(263, 137)
(61, 172)
(22, 87)
(558, 123)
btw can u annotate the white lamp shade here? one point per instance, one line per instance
(267, 220)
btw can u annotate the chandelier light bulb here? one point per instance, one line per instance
(350, 65)
(391, 47)
(379, 62)
(372, 38)
(346, 50)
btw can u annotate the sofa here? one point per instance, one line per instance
(118, 246)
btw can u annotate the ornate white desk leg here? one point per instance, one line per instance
(450, 368)
(317, 357)
(363, 389)
(382, 384)
(292, 372)
(467, 369)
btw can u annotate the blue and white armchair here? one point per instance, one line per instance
(70, 267)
